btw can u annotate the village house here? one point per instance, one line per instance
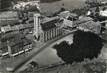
(68, 18)
(15, 45)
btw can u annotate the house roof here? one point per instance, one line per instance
(8, 22)
(11, 35)
(8, 14)
(3, 41)
(19, 39)
(65, 14)
(25, 26)
(8, 17)
(83, 20)
(92, 26)
(20, 42)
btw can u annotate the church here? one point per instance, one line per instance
(48, 29)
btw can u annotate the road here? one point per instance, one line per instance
(42, 48)
(46, 55)
(49, 55)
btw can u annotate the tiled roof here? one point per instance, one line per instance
(83, 20)
(14, 43)
(8, 17)
(8, 14)
(17, 41)
(11, 35)
(17, 26)
(8, 22)
(92, 26)
(20, 42)
(65, 14)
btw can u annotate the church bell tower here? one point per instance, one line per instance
(37, 27)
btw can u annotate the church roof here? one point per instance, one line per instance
(49, 24)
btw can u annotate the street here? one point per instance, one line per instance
(37, 51)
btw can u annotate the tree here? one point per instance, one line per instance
(85, 45)
(93, 3)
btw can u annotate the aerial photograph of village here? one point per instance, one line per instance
(53, 36)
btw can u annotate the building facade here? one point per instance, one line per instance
(19, 47)
(15, 46)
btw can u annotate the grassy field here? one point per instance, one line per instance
(50, 8)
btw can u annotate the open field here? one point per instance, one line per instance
(49, 8)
